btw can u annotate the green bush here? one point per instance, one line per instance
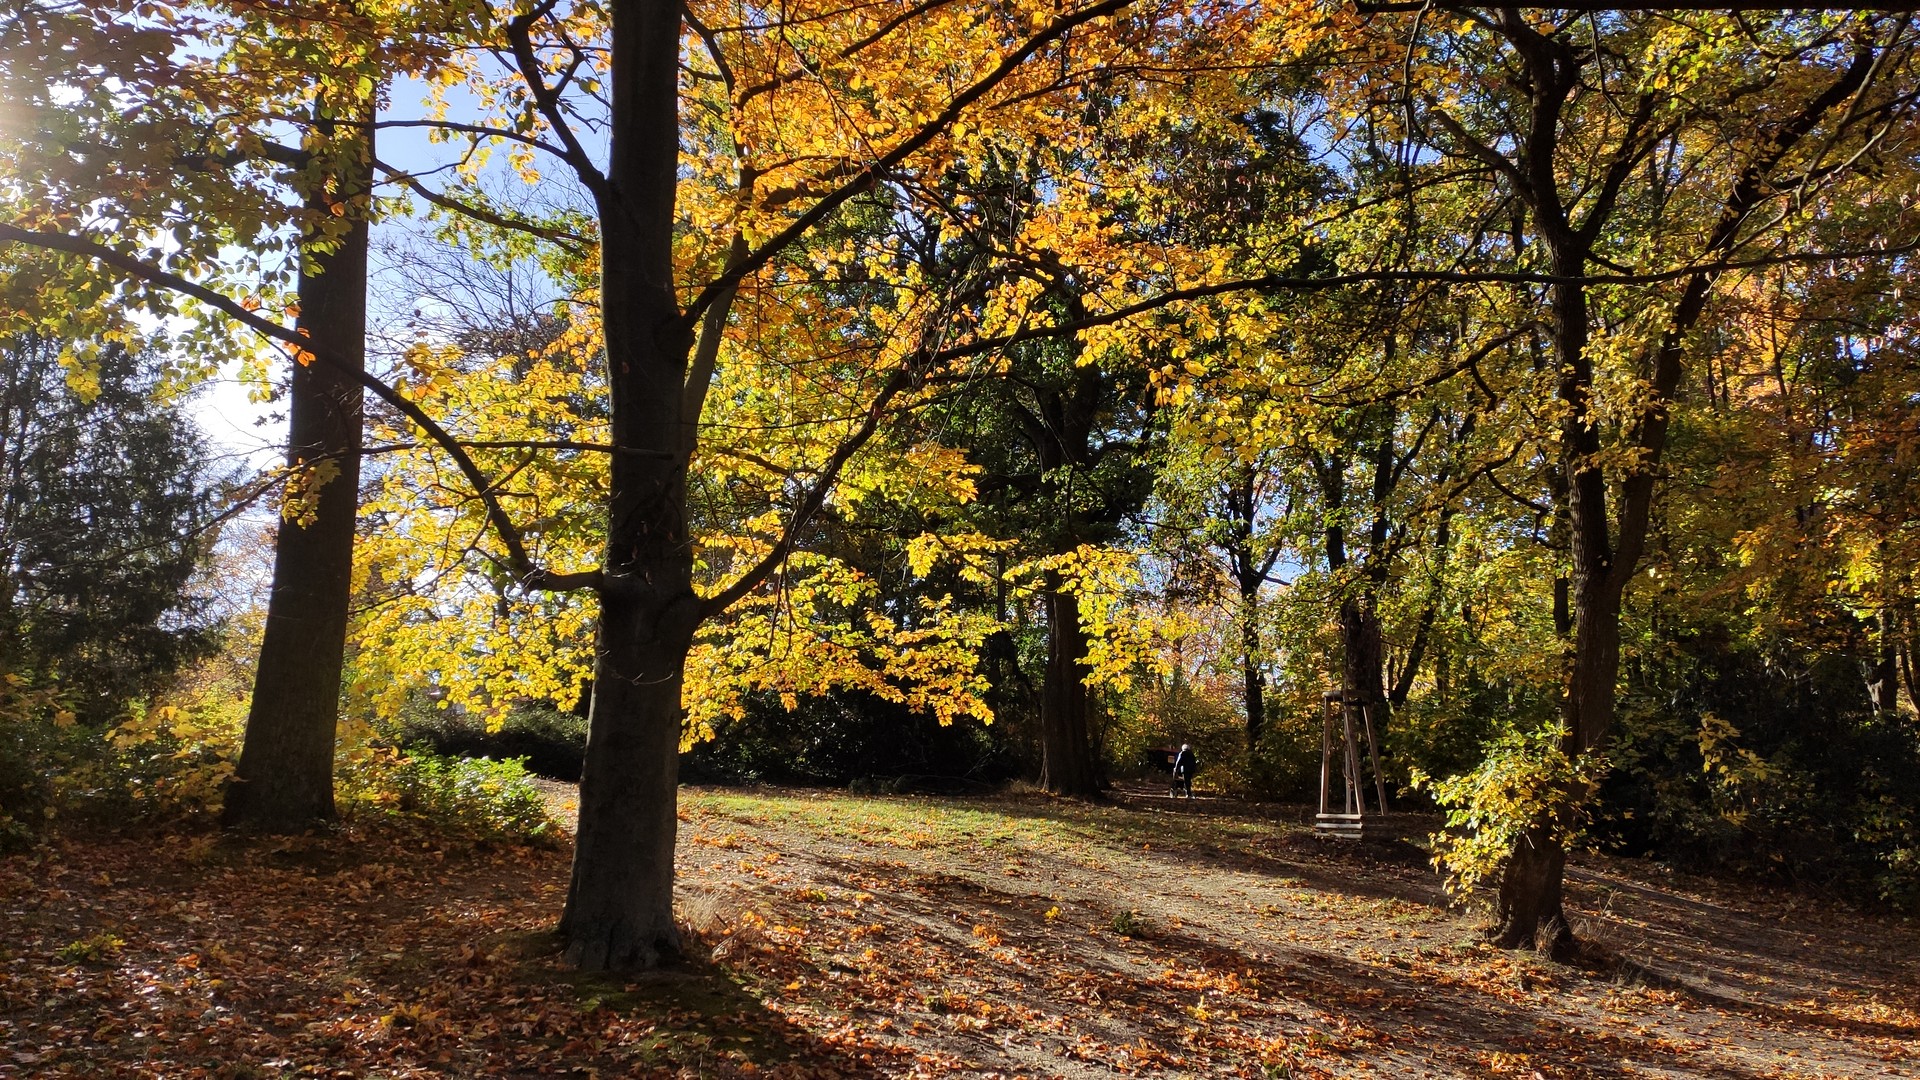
(552, 743)
(46, 758)
(154, 766)
(34, 753)
(1433, 737)
(1527, 780)
(1767, 766)
(172, 764)
(474, 798)
(847, 737)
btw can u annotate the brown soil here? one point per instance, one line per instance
(1007, 936)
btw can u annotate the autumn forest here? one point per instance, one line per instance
(738, 509)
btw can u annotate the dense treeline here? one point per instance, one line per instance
(976, 391)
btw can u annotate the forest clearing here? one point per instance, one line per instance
(850, 936)
(700, 537)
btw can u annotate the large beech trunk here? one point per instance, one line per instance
(284, 779)
(1529, 912)
(1060, 431)
(1066, 734)
(619, 911)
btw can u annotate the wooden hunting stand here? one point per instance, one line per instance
(1353, 820)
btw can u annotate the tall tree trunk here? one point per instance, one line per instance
(1529, 907)
(1066, 735)
(1881, 670)
(1250, 570)
(619, 911)
(1602, 564)
(1363, 664)
(1908, 652)
(284, 780)
(1253, 675)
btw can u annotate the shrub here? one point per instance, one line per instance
(1767, 765)
(39, 741)
(1527, 779)
(553, 743)
(165, 763)
(845, 736)
(474, 798)
(173, 763)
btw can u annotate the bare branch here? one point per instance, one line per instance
(574, 243)
(519, 31)
(531, 576)
(479, 130)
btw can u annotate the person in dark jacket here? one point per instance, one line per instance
(1184, 765)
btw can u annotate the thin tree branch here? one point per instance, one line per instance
(531, 576)
(905, 149)
(903, 380)
(574, 243)
(706, 352)
(519, 444)
(519, 34)
(1284, 282)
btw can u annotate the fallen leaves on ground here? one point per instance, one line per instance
(840, 936)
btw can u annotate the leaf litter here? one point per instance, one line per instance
(831, 935)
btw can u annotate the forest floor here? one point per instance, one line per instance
(835, 935)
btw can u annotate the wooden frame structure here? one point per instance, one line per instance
(1353, 817)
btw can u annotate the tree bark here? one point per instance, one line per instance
(1533, 882)
(1881, 670)
(1362, 648)
(1529, 912)
(1253, 676)
(1250, 570)
(619, 910)
(1363, 667)
(1602, 564)
(1067, 766)
(284, 779)
(1908, 652)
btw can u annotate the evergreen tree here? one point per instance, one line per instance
(105, 504)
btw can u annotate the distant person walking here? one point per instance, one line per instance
(1184, 764)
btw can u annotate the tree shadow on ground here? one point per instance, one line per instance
(1666, 997)
(1271, 846)
(368, 955)
(1087, 994)
(1768, 966)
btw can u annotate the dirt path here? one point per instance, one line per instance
(1026, 936)
(836, 936)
